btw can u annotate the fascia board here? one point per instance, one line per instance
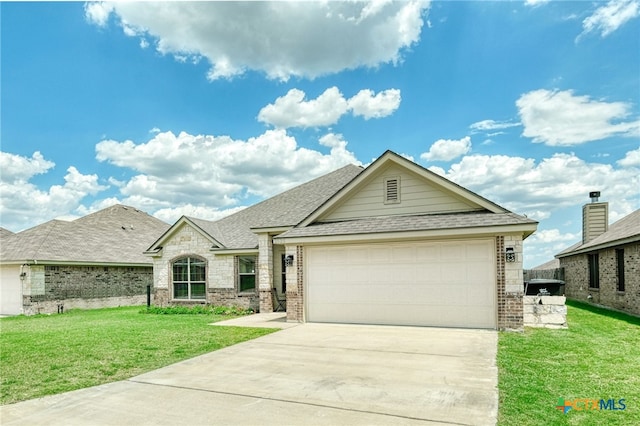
(603, 246)
(523, 229)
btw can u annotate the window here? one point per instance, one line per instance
(392, 190)
(189, 279)
(594, 271)
(620, 269)
(246, 273)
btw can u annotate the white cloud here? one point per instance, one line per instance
(553, 236)
(23, 204)
(558, 118)
(170, 215)
(292, 110)
(217, 171)
(544, 244)
(631, 159)
(485, 125)
(564, 180)
(447, 149)
(281, 39)
(98, 12)
(534, 3)
(608, 18)
(369, 105)
(19, 169)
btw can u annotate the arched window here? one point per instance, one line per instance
(189, 279)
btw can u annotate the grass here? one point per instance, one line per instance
(48, 354)
(598, 357)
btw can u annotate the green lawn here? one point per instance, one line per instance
(598, 357)
(48, 354)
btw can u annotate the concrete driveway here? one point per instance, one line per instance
(309, 374)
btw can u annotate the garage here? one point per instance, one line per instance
(10, 290)
(427, 283)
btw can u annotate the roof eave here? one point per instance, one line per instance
(606, 245)
(478, 231)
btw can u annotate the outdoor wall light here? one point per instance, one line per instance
(289, 260)
(510, 254)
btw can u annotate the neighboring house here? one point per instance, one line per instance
(390, 244)
(93, 261)
(4, 233)
(552, 264)
(604, 267)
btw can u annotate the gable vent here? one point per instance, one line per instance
(392, 190)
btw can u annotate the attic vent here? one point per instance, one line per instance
(391, 190)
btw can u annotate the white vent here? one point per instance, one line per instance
(392, 190)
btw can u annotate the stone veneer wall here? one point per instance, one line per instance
(576, 269)
(264, 277)
(48, 288)
(545, 311)
(295, 286)
(221, 272)
(509, 284)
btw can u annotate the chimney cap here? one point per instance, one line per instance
(594, 195)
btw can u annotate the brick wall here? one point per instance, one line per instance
(295, 286)
(577, 279)
(46, 288)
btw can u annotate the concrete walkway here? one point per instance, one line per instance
(308, 374)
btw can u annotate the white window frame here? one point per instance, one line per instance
(243, 274)
(189, 282)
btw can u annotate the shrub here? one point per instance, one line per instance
(197, 310)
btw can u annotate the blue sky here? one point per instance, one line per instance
(204, 108)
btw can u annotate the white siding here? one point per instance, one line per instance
(417, 195)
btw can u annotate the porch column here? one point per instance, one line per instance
(265, 271)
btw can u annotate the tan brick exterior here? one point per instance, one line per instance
(576, 271)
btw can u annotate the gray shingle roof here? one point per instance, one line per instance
(551, 264)
(117, 234)
(5, 232)
(626, 229)
(286, 209)
(408, 223)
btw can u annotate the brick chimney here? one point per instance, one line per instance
(595, 218)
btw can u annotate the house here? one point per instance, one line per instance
(392, 243)
(93, 261)
(604, 267)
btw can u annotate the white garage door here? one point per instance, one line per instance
(446, 283)
(10, 290)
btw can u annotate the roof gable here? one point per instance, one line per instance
(206, 228)
(280, 211)
(420, 192)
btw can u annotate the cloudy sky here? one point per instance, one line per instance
(204, 108)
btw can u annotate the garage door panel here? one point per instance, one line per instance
(429, 283)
